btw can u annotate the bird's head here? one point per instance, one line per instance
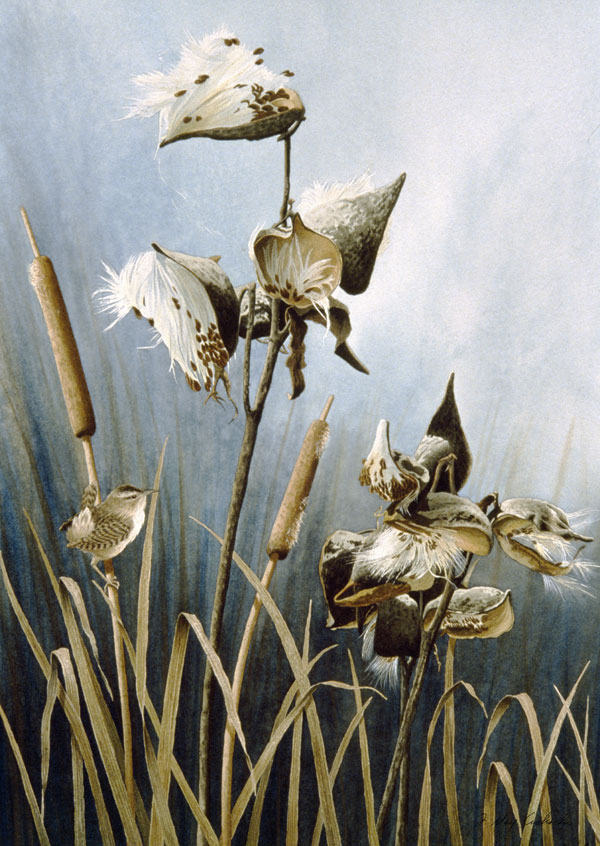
(129, 498)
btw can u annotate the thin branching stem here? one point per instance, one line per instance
(287, 149)
(240, 483)
(251, 294)
(427, 642)
(401, 838)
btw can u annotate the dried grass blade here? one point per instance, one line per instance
(293, 657)
(296, 756)
(51, 694)
(99, 717)
(592, 818)
(26, 781)
(337, 763)
(365, 761)
(160, 798)
(425, 804)
(45, 559)
(448, 749)
(585, 764)
(32, 640)
(497, 770)
(72, 715)
(178, 775)
(166, 734)
(265, 759)
(79, 604)
(543, 770)
(64, 659)
(582, 777)
(535, 734)
(254, 827)
(143, 609)
(221, 677)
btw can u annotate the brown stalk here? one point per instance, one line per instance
(283, 536)
(83, 423)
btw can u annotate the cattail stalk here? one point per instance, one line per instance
(283, 536)
(81, 417)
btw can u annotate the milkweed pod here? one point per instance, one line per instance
(355, 218)
(456, 518)
(482, 612)
(391, 475)
(218, 90)
(444, 436)
(397, 628)
(297, 265)
(538, 535)
(335, 567)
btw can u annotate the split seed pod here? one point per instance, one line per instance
(481, 612)
(537, 534)
(356, 220)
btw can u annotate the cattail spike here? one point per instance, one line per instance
(291, 511)
(66, 355)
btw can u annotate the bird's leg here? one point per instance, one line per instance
(109, 581)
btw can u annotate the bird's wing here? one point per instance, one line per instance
(88, 498)
(106, 533)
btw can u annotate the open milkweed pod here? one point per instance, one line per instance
(482, 612)
(444, 437)
(335, 567)
(189, 302)
(297, 265)
(397, 628)
(455, 520)
(355, 217)
(391, 475)
(538, 535)
(219, 90)
(390, 563)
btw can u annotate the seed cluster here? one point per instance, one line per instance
(266, 103)
(397, 487)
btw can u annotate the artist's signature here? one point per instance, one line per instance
(508, 821)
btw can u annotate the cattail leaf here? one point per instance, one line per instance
(356, 720)
(585, 764)
(51, 693)
(166, 737)
(592, 818)
(293, 657)
(296, 754)
(254, 827)
(26, 781)
(79, 604)
(448, 747)
(535, 734)
(111, 753)
(143, 609)
(497, 770)
(426, 792)
(540, 781)
(188, 793)
(160, 797)
(365, 761)
(70, 710)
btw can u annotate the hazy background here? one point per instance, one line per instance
(493, 111)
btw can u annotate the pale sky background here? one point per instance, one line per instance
(493, 111)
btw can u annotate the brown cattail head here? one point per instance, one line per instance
(291, 511)
(72, 378)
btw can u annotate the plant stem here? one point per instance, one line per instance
(236, 688)
(240, 483)
(287, 141)
(427, 641)
(404, 780)
(120, 663)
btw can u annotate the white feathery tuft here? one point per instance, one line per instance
(176, 303)
(415, 558)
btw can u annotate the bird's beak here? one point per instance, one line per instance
(151, 490)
